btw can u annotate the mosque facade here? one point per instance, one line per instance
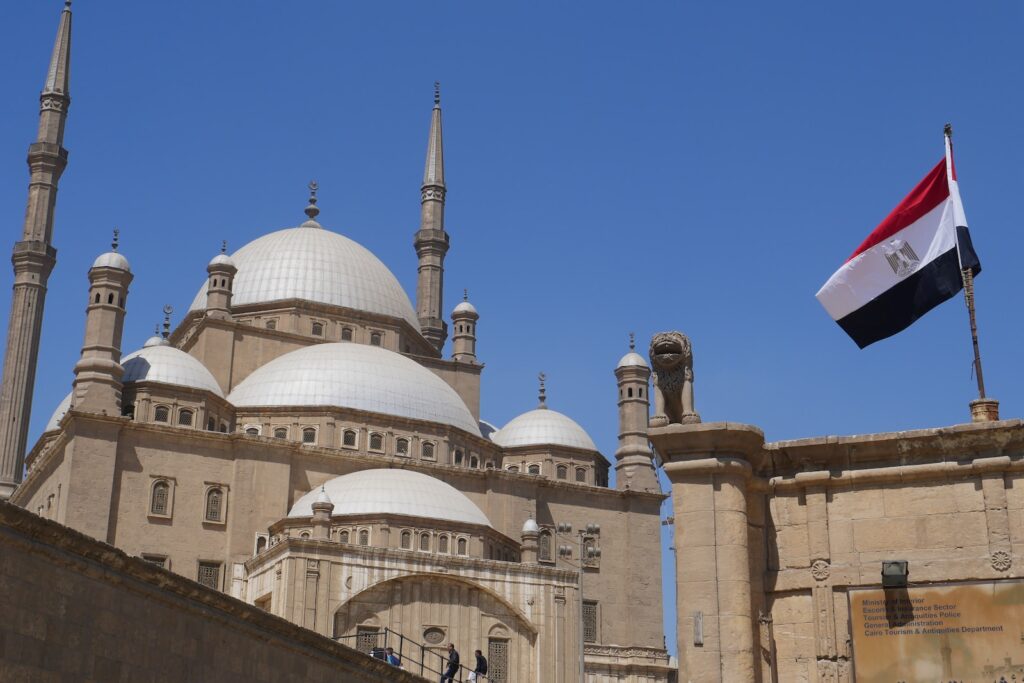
(303, 442)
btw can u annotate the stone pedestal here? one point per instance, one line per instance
(710, 466)
(984, 410)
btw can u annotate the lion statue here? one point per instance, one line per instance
(672, 363)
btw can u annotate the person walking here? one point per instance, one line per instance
(480, 669)
(453, 664)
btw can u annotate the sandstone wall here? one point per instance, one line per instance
(76, 609)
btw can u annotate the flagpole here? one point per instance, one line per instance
(983, 409)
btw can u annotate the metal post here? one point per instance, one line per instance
(968, 277)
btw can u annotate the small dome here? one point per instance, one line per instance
(112, 259)
(318, 265)
(464, 307)
(394, 492)
(58, 414)
(222, 260)
(632, 359)
(543, 427)
(358, 376)
(168, 365)
(322, 497)
(156, 340)
(530, 527)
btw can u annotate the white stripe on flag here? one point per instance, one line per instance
(864, 278)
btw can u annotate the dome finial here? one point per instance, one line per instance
(543, 392)
(113, 243)
(632, 341)
(437, 93)
(465, 295)
(311, 210)
(168, 309)
(223, 246)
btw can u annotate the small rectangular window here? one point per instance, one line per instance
(589, 621)
(209, 574)
(158, 560)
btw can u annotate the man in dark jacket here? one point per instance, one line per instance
(480, 669)
(453, 664)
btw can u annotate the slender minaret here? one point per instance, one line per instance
(33, 260)
(431, 240)
(97, 387)
(634, 461)
(218, 290)
(464, 319)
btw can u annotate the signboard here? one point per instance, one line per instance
(969, 632)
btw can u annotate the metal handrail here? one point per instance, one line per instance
(407, 644)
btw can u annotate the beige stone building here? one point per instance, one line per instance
(302, 441)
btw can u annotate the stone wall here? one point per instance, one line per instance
(77, 609)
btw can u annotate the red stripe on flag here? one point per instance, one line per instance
(928, 194)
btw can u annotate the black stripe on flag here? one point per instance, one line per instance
(968, 257)
(898, 307)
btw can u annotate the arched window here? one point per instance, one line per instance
(252, 431)
(346, 334)
(641, 392)
(544, 546)
(348, 438)
(215, 505)
(161, 499)
(442, 544)
(629, 392)
(185, 417)
(318, 329)
(224, 427)
(364, 537)
(402, 446)
(463, 546)
(162, 414)
(407, 539)
(581, 474)
(376, 442)
(309, 435)
(271, 324)
(474, 462)
(304, 534)
(97, 297)
(533, 469)
(211, 425)
(489, 465)
(261, 544)
(514, 469)
(427, 450)
(424, 541)
(343, 536)
(375, 339)
(110, 298)
(562, 472)
(280, 432)
(458, 457)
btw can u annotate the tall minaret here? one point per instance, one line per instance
(33, 260)
(431, 240)
(634, 460)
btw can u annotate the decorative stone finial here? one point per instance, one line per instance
(312, 211)
(113, 243)
(672, 362)
(437, 93)
(543, 392)
(168, 309)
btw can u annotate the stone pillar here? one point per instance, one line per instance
(529, 549)
(710, 466)
(322, 509)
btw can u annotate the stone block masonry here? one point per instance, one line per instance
(76, 609)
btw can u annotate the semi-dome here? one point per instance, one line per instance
(632, 359)
(58, 414)
(357, 376)
(112, 259)
(318, 265)
(393, 492)
(168, 365)
(543, 427)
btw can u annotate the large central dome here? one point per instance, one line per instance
(318, 265)
(359, 376)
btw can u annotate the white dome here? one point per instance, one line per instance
(530, 527)
(156, 340)
(394, 492)
(632, 359)
(355, 376)
(58, 414)
(168, 365)
(318, 265)
(464, 307)
(111, 259)
(543, 427)
(221, 260)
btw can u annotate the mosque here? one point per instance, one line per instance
(302, 441)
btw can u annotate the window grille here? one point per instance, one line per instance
(497, 661)
(544, 552)
(514, 469)
(402, 446)
(534, 469)
(406, 540)
(346, 334)
(161, 414)
(474, 462)
(463, 546)
(309, 435)
(366, 638)
(318, 329)
(348, 438)
(581, 474)
(589, 621)
(209, 574)
(271, 324)
(343, 536)
(185, 418)
(281, 433)
(428, 451)
(214, 505)
(161, 498)
(364, 537)
(252, 431)
(375, 339)
(442, 544)
(458, 457)
(562, 472)
(425, 542)
(376, 442)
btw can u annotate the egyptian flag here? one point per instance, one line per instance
(908, 265)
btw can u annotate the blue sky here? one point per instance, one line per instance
(611, 167)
